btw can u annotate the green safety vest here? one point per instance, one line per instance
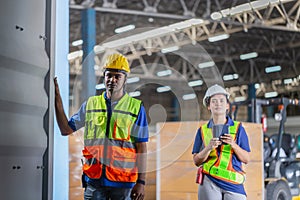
(220, 167)
(107, 141)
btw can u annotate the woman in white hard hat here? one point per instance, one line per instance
(220, 148)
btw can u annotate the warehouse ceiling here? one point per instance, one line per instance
(267, 31)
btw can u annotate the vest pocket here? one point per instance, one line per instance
(123, 160)
(121, 129)
(91, 167)
(100, 126)
(89, 130)
(123, 166)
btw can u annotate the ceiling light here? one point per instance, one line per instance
(216, 15)
(98, 49)
(257, 85)
(150, 19)
(100, 86)
(125, 28)
(163, 89)
(206, 64)
(189, 96)
(164, 73)
(195, 83)
(77, 43)
(170, 49)
(271, 94)
(218, 37)
(272, 69)
(195, 21)
(96, 67)
(75, 54)
(287, 81)
(248, 56)
(230, 77)
(134, 94)
(133, 80)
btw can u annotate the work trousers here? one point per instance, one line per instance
(210, 191)
(106, 193)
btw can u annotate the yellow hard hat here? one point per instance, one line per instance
(117, 62)
(211, 91)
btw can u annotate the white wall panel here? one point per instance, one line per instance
(24, 99)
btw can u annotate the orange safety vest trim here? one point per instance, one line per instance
(220, 166)
(110, 151)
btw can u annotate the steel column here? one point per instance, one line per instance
(88, 30)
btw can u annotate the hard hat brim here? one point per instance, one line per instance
(115, 70)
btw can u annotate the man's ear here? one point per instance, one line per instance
(124, 84)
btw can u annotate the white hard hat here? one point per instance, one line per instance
(212, 90)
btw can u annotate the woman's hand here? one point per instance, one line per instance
(214, 143)
(227, 138)
(202, 156)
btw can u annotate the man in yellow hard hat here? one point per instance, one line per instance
(116, 64)
(115, 136)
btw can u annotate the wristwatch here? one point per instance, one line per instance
(141, 181)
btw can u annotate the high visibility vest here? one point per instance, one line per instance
(220, 166)
(108, 147)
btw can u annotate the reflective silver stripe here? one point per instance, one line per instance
(105, 161)
(109, 142)
(123, 165)
(116, 163)
(94, 142)
(119, 143)
(94, 161)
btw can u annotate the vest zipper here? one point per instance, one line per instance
(109, 114)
